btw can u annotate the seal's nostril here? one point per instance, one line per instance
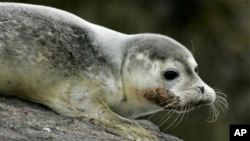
(202, 89)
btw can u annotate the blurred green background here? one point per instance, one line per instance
(217, 31)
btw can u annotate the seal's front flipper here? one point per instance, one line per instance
(101, 115)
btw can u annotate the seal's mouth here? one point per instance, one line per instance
(187, 107)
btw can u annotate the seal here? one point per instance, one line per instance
(86, 71)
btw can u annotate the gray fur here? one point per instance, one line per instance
(157, 47)
(25, 32)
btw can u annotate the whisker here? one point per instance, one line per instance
(212, 117)
(163, 103)
(173, 122)
(179, 117)
(151, 116)
(182, 115)
(166, 116)
(215, 113)
(221, 106)
(222, 101)
(219, 92)
(211, 114)
(171, 113)
(187, 113)
(163, 108)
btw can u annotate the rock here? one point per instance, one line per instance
(24, 121)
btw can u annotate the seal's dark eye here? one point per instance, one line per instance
(196, 70)
(170, 75)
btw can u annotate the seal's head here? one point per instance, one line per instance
(162, 73)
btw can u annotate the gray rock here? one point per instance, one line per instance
(24, 121)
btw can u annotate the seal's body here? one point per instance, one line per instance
(46, 48)
(83, 70)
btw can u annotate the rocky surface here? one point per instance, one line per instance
(24, 121)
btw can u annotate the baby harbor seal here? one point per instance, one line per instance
(83, 70)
